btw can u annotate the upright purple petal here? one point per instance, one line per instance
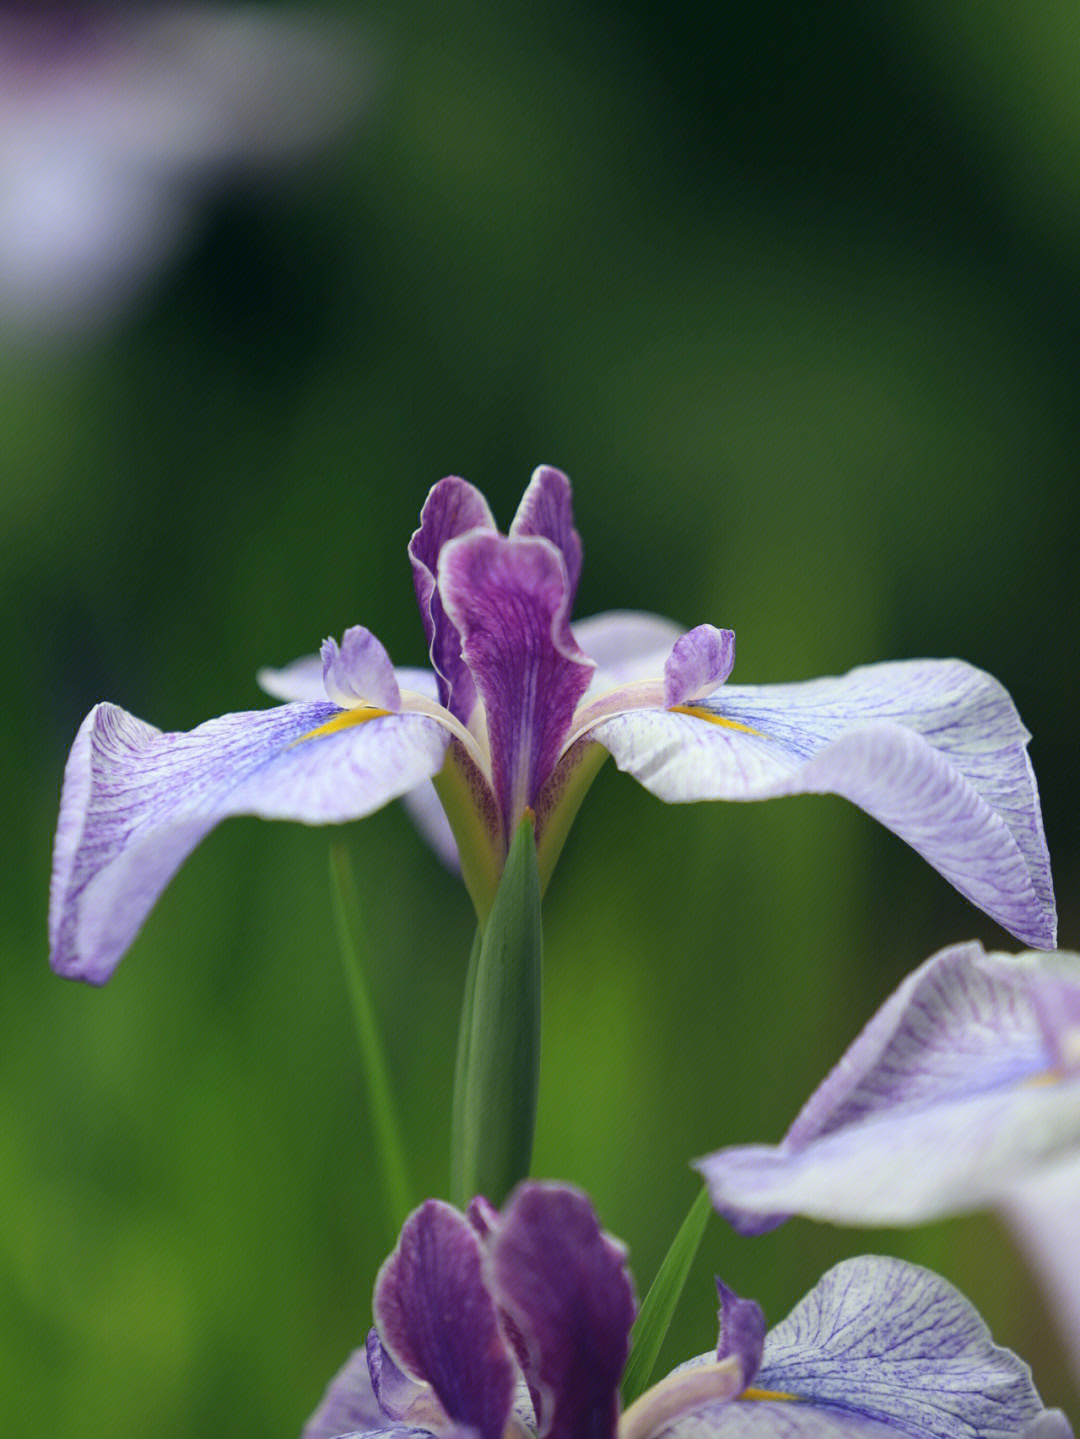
(948, 1099)
(698, 664)
(136, 802)
(742, 1331)
(453, 507)
(546, 509)
(933, 749)
(564, 1285)
(359, 672)
(439, 1323)
(899, 1345)
(509, 600)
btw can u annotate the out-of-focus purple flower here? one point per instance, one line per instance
(505, 1326)
(118, 119)
(518, 715)
(963, 1091)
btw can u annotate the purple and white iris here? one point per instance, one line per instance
(517, 714)
(509, 1325)
(117, 119)
(963, 1091)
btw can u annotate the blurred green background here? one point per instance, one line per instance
(793, 295)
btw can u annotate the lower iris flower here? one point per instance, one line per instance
(514, 1324)
(517, 714)
(962, 1092)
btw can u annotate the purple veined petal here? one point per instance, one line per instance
(546, 509)
(933, 749)
(359, 672)
(136, 801)
(627, 646)
(507, 598)
(349, 1404)
(900, 1345)
(945, 1101)
(453, 508)
(1044, 1212)
(699, 663)
(570, 1301)
(438, 1322)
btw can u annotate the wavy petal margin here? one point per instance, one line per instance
(934, 749)
(136, 802)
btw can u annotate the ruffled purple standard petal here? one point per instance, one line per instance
(453, 507)
(947, 1099)
(508, 600)
(136, 802)
(546, 509)
(1044, 1211)
(349, 1404)
(359, 672)
(698, 664)
(933, 749)
(563, 1283)
(438, 1322)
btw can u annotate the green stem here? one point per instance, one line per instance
(458, 1193)
(655, 1314)
(351, 933)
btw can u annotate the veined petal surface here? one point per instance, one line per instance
(947, 1099)
(349, 1404)
(136, 802)
(880, 1347)
(546, 509)
(933, 749)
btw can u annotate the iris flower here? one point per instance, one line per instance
(505, 1326)
(962, 1092)
(118, 119)
(517, 714)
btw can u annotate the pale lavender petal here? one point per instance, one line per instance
(425, 810)
(933, 749)
(898, 1344)
(627, 646)
(563, 1283)
(359, 672)
(301, 679)
(349, 1404)
(546, 509)
(742, 1331)
(694, 1393)
(1056, 998)
(508, 600)
(136, 802)
(453, 507)
(438, 1322)
(946, 1099)
(699, 663)
(399, 1398)
(1044, 1211)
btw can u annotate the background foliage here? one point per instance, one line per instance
(793, 294)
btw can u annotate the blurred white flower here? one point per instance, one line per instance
(117, 121)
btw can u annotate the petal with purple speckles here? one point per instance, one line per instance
(546, 509)
(508, 600)
(933, 749)
(879, 1347)
(453, 508)
(948, 1098)
(438, 1322)
(136, 801)
(563, 1283)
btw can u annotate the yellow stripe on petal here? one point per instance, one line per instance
(772, 1394)
(698, 713)
(345, 720)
